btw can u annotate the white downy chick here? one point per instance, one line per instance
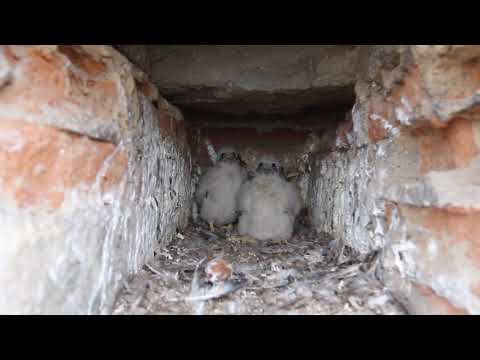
(268, 203)
(218, 188)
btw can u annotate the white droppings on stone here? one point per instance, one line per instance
(453, 287)
(432, 248)
(379, 228)
(381, 151)
(407, 105)
(391, 130)
(403, 116)
(211, 151)
(378, 301)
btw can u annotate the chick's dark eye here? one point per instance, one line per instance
(260, 165)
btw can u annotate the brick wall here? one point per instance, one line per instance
(138, 54)
(94, 176)
(404, 176)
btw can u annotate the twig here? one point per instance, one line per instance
(125, 285)
(211, 235)
(196, 278)
(215, 292)
(153, 270)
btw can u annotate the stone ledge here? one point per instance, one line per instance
(242, 79)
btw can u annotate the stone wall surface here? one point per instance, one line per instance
(404, 175)
(95, 166)
(94, 176)
(139, 55)
(261, 79)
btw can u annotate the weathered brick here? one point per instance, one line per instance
(451, 77)
(76, 88)
(39, 164)
(452, 147)
(277, 141)
(409, 183)
(138, 55)
(412, 104)
(444, 250)
(87, 182)
(424, 301)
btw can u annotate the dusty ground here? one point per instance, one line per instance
(308, 275)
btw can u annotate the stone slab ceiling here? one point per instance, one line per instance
(261, 79)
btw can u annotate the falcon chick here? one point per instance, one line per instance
(268, 203)
(218, 188)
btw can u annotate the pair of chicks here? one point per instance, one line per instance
(265, 205)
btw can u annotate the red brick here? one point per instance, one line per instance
(277, 141)
(389, 208)
(435, 154)
(457, 242)
(45, 83)
(428, 302)
(461, 140)
(411, 90)
(453, 227)
(380, 114)
(83, 60)
(39, 164)
(452, 147)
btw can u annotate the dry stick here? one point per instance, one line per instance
(216, 292)
(153, 270)
(196, 279)
(125, 285)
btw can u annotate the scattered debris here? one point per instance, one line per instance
(246, 239)
(153, 270)
(218, 270)
(211, 235)
(218, 273)
(228, 227)
(310, 274)
(293, 175)
(214, 292)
